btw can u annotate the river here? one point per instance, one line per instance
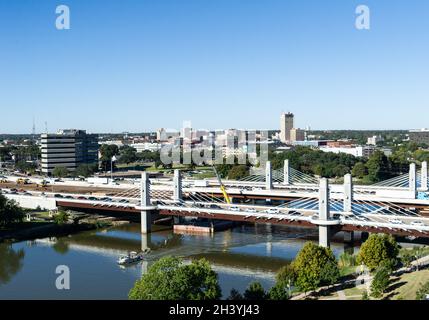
(241, 255)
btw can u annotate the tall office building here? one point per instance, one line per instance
(297, 135)
(286, 125)
(69, 149)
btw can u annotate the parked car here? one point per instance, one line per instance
(272, 211)
(251, 210)
(395, 221)
(235, 208)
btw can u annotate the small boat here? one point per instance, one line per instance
(132, 257)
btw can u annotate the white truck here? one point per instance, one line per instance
(201, 183)
(97, 180)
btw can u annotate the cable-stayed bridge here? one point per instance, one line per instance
(398, 206)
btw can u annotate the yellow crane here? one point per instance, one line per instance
(222, 187)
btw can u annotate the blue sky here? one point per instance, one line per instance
(137, 65)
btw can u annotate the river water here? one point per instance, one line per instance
(239, 256)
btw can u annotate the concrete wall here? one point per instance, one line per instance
(31, 202)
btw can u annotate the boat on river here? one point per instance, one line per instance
(132, 257)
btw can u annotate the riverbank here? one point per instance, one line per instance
(35, 230)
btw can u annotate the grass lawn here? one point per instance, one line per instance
(406, 286)
(346, 271)
(354, 293)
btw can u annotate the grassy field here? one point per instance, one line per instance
(406, 286)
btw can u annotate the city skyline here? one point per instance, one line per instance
(222, 65)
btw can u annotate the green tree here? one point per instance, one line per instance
(286, 276)
(407, 258)
(278, 292)
(127, 154)
(340, 170)
(380, 282)
(60, 172)
(238, 172)
(359, 170)
(378, 167)
(234, 295)
(347, 260)
(107, 152)
(61, 217)
(84, 170)
(423, 292)
(315, 266)
(10, 212)
(255, 291)
(365, 295)
(377, 250)
(170, 279)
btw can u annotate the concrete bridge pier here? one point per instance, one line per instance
(413, 179)
(349, 236)
(145, 241)
(324, 213)
(268, 176)
(286, 173)
(146, 208)
(424, 176)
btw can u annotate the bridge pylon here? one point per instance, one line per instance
(177, 196)
(413, 180)
(324, 213)
(286, 173)
(348, 193)
(268, 176)
(424, 176)
(146, 207)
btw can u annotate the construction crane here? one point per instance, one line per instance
(222, 187)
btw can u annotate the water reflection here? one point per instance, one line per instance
(11, 262)
(241, 255)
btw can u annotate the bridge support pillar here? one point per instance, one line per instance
(146, 219)
(268, 176)
(324, 213)
(348, 193)
(424, 176)
(177, 196)
(413, 179)
(349, 236)
(146, 222)
(145, 241)
(324, 236)
(286, 173)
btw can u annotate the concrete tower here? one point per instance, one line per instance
(286, 125)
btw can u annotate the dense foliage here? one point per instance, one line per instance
(10, 212)
(315, 266)
(170, 279)
(423, 292)
(60, 172)
(380, 281)
(378, 250)
(255, 291)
